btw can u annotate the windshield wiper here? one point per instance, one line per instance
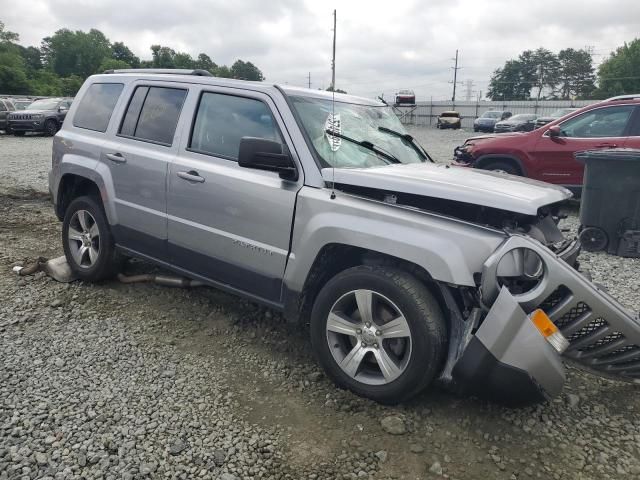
(405, 136)
(366, 144)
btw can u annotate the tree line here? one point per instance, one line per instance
(65, 59)
(569, 74)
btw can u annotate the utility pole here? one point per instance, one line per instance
(455, 76)
(309, 78)
(333, 57)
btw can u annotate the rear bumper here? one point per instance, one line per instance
(26, 125)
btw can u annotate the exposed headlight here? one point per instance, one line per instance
(37, 116)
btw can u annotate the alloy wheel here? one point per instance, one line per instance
(84, 239)
(369, 337)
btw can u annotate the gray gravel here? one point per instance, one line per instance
(139, 381)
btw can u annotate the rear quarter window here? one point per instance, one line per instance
(96, 106)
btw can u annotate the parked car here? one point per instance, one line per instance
(547, 153)
(22, 103)
(449, 119)
(523, 122)
(45, 115)
(561, 112)
(405, 97)
(486, 121)
(6, 107)
(325, 208)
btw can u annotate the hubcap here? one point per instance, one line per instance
(84, 239)
(369, 337)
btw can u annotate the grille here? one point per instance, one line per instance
(556, 297)
(588, 329)
(573, 314)
(612, 337)
(625, 349)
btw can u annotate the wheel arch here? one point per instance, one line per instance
(73, 186)
(334, 258)
(484, 160)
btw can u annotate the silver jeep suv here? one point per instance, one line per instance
(323, 207)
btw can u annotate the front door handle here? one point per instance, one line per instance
(116, 157)
(606, 145)
(191, 176)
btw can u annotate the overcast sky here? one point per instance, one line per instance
(382, 46)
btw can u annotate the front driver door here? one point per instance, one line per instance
(605, 127)
(227, 223)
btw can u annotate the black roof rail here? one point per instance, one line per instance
(171, 71)
(624, 97)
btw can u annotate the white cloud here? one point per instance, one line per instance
(382, 46)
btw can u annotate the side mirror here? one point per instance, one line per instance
(263, 154)
(62, 109)
(554, 131)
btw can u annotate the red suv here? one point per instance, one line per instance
(547, 152)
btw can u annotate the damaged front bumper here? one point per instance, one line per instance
(507, 359)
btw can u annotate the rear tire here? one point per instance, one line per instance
(87, 241)
(18, 134)
(504, 167)
(397, 352)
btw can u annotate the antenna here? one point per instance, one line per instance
(333, 107)
(309, 79)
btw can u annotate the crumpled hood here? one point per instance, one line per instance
(479, 187)
(488, 136)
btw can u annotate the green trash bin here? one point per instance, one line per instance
(610, 203)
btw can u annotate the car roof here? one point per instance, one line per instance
(268, 88)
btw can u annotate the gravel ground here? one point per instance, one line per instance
(140, 381)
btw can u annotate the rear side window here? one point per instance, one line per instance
(152, 114)
(96, 106)
(222, 120)
(600, 122)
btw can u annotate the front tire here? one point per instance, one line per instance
(18, 134)
(502, 167)
(87, 240)
(50, 128)
(379, 332)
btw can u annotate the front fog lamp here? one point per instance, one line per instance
(549, 331)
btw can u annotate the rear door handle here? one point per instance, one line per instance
(116, 157)
(191, 176)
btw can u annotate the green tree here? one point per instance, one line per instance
(13, 78)
(183, 60)
(163, 57)
(577, 78)
(511, 82)
(204, 62)
(119, 51)
(113, 64)
(70, 85)
(223, 72)
(246, 71)
(75, 53)
(46, 83)
(620, 73)
(544, 66)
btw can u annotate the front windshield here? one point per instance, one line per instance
(358, 122)
(44, 104)
(522, 118)
(491, 114)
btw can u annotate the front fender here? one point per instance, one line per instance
(450, 250)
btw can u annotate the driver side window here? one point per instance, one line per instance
(601, 122)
